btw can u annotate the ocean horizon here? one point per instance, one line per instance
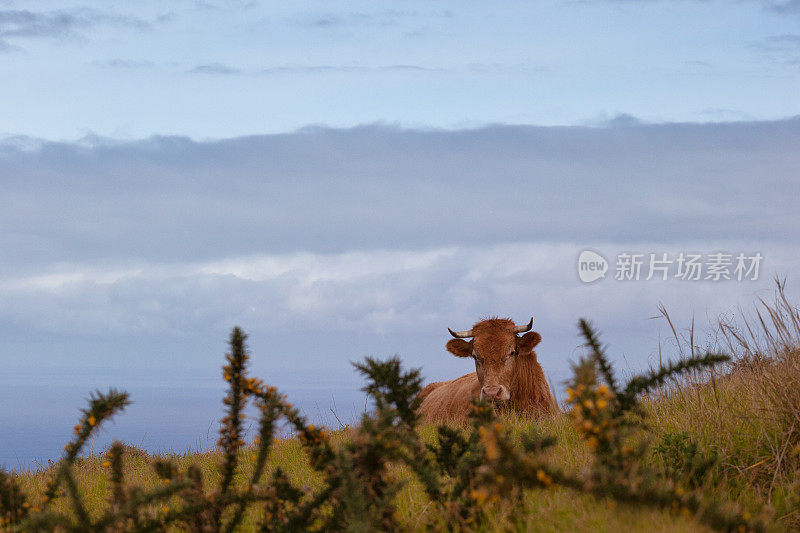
(165, 417)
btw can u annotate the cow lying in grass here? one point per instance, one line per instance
(507, 374)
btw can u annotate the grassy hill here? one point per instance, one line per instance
(552, 510)
(705, 446)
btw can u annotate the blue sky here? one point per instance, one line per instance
(218, 69)
(350, 179)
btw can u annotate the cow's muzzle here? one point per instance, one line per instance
(495, 393)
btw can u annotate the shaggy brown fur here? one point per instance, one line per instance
(502, 359)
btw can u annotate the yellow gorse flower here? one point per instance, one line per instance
(479, 495)
(492, 452)
(543, 478)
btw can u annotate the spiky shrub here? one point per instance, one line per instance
(470, 475)
(13, 501)
(611, 420)
(682, 458)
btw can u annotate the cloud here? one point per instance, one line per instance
(225, 5)
(168, 16)
(377, 237)
(781, 43)
(391, 297)
(325, 190)
(775, 6)
(329, 19)
(322, 69)
(379, 19)
(378, 289)
(292, 69)
(223, 69)
(215, 68)
(328, 245)
(6, 47)
(786, 40)
(781, 49)
(698, 63)
(16, 144)
(782, 6)
(60, 24)
(123, 64)
(520, 68)
(619, 120)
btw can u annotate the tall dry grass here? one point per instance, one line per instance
(748, 415)
(769, 353)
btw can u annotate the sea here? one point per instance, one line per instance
(168, 414)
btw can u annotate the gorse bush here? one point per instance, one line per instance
(475, 477)
(683, 459)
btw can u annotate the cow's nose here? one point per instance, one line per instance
(491, 392)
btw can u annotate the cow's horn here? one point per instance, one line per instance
(460, 334)
(523, 329)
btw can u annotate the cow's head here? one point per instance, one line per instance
(497, 348)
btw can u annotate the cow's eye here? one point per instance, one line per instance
(512, 353)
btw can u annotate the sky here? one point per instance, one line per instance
(351, 179)
(226, 68)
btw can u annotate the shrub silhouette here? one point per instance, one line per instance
(471, 475)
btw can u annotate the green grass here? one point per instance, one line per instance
(553, 510)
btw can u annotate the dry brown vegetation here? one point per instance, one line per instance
(747, 416)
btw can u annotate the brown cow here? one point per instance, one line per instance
(506, 373)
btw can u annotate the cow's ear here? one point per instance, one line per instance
(528, 341)
(459, 347)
